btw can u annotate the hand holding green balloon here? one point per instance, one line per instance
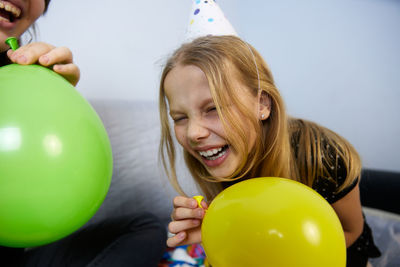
(55, 156)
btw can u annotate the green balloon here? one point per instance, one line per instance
(55, 157)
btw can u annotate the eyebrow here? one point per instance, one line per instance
(206, 102)
(173, 112)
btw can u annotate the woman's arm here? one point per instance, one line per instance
(350, 215)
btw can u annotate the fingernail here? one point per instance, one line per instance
(196, 222)
(57, 67)
(44, 59)
(181, 235)
(199, 213)
(193, 203)
(14, 56)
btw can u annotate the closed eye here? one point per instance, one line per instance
(178, 119)
(211, 109)
(212, 112)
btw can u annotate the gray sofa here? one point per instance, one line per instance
(139, 183)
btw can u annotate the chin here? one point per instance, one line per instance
(220, 173)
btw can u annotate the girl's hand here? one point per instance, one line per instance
(186, 221)
(59, 59)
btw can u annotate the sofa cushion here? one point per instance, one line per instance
(139, 182)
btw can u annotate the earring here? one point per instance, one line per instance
(262, 116)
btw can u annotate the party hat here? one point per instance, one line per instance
(207, 18)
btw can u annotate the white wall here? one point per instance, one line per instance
(336, 62)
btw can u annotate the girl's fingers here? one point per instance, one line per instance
(58, 55)
(185, 213)
(42, 53)
(204, 204)
(191, 236)
(30, 53)
(180, 201)
(58, 58)
(69, 71)
(176, 240)
(179, 226)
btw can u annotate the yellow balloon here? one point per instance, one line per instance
(273, 222)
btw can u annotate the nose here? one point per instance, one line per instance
(197, 130)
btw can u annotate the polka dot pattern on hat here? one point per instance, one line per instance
(207, 19)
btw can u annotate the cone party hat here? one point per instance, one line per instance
(207, 18)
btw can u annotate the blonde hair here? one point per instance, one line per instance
(274, 152)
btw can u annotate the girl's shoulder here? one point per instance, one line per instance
(325, 160)
(336, 184)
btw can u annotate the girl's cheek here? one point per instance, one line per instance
(181, 138)
(217, 127)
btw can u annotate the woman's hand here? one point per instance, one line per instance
(186, 217)
(59, 59)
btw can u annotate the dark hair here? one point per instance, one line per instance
(46, 5)
(32, 31)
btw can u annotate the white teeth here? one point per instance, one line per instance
(212, 154)
(10, 8)
(217, 156)
(4, 19)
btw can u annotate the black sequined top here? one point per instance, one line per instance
(364, 247)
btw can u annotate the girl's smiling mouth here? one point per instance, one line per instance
(214, 157)
(9, 12)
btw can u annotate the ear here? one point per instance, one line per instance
(265, 106)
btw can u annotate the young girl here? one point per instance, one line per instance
(136, 239)
(231, 122)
